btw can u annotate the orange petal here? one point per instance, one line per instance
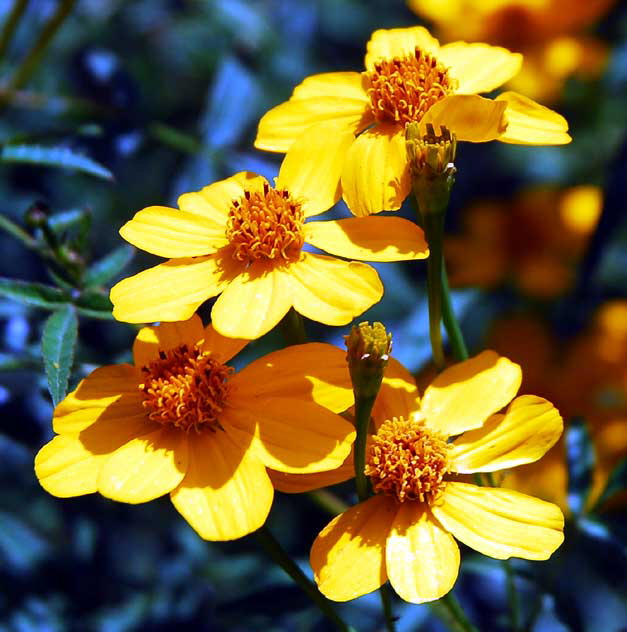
(376, 173)
(348, 557)
(221, 347)
(348, 85)
(389, 43)
(398, 395)
(369, 238)
(226, 492)
(299, 483)
(422, 559)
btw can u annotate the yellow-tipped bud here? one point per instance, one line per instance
(368, 353)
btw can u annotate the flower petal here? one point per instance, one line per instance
(369, 238)
(221, 347)
(479, 67)
(500, 522)
(215, 200)
(315, 371)
(376, 173)
(170, 233)
(226, 492)
(150, 340)
(398, 395)
(253, 303)
(526, 432)
(172, 290)
(109, 390)
(347, 557)
(312, 167)
(463, 396)
(332, 291)
(292, 435)
(422, 559)
(348, 85)
(146, 467)
(471, 117)
(529, 123)
(299, 483)
(283, 124)
(389, 43)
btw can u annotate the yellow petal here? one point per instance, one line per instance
(422, 559)
(369, 238)
(146, 467)
(221, 347)
(348, 557)
(332, 84)
(376, 173)
(479, 67)
(529, 123)
(332, 291)
(398, 395)
(500, 522)
(283, 124)
(315, 371)
(253, 303)
(150, 340)
(463, 396)
(215, 200)
(525, 433)
(172, 290)
(313, 166)
(389, 43)
(170, 233)
(471, 117)
(226, 492)
(109, 390)
(292, 435)
(299, 483)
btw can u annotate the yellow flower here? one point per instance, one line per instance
(243, 239)
(360, 119)
(180, 421)
(406, 532)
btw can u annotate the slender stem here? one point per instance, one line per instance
(280, 557)
(450, 610)
(293, 328)
(512, 595)
(363, 408)
(328, 501)
(455, 336)
(434, 228)
(386, 603)
(11, 24)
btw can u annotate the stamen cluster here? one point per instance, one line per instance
(402, 89)
(408, 461)
(266, 225)
(185, 388)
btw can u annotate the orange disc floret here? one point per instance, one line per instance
(185, 388)
(266, 224)
(402, 89)
(407, 461)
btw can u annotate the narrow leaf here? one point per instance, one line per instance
(616, 482)
(109, 266)
(17, 231)
(54, 157)
(58, 344)
(36, 294)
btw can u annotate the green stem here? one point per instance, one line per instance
(386, 603)
(11, 24)
(328, 501)
(293, 328)
(455, 336)
(450, 611)
(434, 229)
(363, 409)
(512, 596)
(280, 557)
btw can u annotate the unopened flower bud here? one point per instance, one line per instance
(368, 353)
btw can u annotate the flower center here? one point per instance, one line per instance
(185, 388)
(408, 461)
(266, 225)
(402, 89)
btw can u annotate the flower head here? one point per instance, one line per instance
(243, 239)
(182, 421)
(406, 532)
(408, 78)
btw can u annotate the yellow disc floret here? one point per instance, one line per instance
(266, 224)
(185, 388)
(408, 461)
(402, 89)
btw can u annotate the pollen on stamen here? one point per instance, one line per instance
(408, 461)
(402, 89)
(185, 388)
(266, 225)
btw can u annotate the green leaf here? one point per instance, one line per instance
(17, 231)
(57, 345)
(110, 265)
(616, 482)
(94, 304)
(36, 294)
(54, 157)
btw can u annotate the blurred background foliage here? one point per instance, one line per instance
(108, 107)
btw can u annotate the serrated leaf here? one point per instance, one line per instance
(36, 294)
(62, 157)
(580, 461)
(58, 344)
(110, 265)
(616, 482)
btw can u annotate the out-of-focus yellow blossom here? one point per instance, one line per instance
(534, 240)
(243, 239)
(549, 33)
(359, 119)
(181, 421)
